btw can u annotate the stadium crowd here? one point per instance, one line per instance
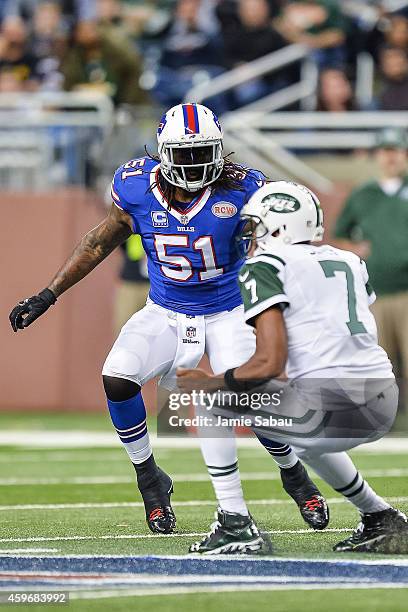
(139, 50)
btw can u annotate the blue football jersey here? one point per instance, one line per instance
(192, 252)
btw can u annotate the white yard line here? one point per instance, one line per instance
(202, 477)
(27, 551)
(149, 536)
(60, 439)
(73, 456)
(113, 455)
(177, 504)
(114, 593)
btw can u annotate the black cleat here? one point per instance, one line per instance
(233, 534)
(156, 490)
(384, 532)
(303, 491)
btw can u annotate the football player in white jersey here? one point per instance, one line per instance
(310, 307)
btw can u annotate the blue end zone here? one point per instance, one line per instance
(154, 571)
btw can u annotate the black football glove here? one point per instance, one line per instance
(27, 311)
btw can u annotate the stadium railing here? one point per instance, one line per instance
(267, 64)
(303, 92)
(47, 139)
(279, 143)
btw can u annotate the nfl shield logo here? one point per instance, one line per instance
(190, 332)
(184, 219)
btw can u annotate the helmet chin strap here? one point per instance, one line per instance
(270, 241)
(276, 237)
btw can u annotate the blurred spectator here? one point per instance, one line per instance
(254, 26)
(190, 51)
(72, 9)
(24, 9)
(396, 32)
(190, 40)
(335, 92)
(373, 225)
(389, 30)
(98, 61)
(394, 68)
(109, 11)
(318, 24)
(149, 15)
(48, 43)
(110, 18)
(17, 63)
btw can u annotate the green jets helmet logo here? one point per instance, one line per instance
(281, 203)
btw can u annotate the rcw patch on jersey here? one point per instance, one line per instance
(224, 210)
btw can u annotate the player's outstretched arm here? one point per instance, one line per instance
(94, 247)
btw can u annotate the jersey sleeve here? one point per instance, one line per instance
(370, 291)
(261, 284)
(254, 180)
(118, 191)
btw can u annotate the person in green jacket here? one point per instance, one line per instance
(374, 225)
(98, 60)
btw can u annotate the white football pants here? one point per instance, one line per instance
(156, 341)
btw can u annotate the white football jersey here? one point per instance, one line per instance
(326, 295)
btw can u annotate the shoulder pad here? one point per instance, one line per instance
(131, 181)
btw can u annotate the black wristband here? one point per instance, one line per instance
(232, 383)
(241, 385)
(48, 296)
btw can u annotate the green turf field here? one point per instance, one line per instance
(84, 501)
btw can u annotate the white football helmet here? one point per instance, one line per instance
(190, 146)
(282, 213)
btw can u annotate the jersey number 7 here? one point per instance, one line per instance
(330, 267)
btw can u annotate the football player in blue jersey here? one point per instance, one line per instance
(186, 207)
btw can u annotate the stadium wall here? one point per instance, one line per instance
(55, 364)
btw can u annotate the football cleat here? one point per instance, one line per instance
(233, 534)
(303, 491)
(156, 491)
(384, 532)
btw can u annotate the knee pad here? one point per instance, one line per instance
(119, 389)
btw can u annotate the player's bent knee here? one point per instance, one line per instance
(304, 454)
(119, 389)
